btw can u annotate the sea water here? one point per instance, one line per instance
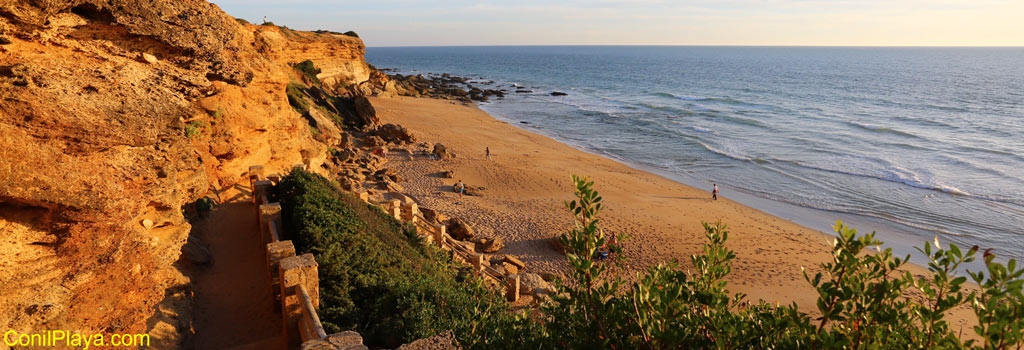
(912, 142)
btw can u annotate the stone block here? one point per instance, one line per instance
(261, 191)
(295, 271)
(277, 251)
(255, 173)
(346, 338)
(512, 288)
(269, 214)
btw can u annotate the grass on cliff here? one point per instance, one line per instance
(194, 128)
(309, 70)
(297, 97)
(377, 278)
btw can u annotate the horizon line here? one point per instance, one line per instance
(707, 45)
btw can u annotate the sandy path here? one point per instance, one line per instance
(234, 307)
(529, 178)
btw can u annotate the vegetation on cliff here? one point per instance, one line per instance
(378, 279)
(308, 70)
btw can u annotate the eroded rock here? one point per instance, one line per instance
(460, 229)
(440, 151)
(367, 115)
(196, 251)
(395, 133)
(488, 244)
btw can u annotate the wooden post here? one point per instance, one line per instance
(396, 209)
(295, 271)
(310, 319)
(478, 263)
(512, 287)
(514, 261)
(409, 212)
(439, 235)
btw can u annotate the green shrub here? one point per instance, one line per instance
(297, 97)
(194, 128)
(864, 301)
(308, 70)
(204, 206)
(378, 279)
(241, 21)
(351, 34)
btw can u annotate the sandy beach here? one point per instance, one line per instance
(528, 180)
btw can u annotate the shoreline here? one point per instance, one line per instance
(903, 239)
(528, 180)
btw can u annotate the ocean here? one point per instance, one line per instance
(911, 142)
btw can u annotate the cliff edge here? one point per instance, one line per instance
(117, 113)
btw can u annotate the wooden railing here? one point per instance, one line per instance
(294, 279)
(309, 324)
(435, 234)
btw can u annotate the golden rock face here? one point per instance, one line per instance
(116, 113)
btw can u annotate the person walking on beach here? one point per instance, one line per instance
(714, 193)
(459, 187)
(488, 151)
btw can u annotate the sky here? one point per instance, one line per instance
(652, 22)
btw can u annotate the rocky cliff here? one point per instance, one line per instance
(114, 115)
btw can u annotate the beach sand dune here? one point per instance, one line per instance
(528, 181)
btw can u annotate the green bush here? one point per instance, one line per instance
(308, 70)
(377, 278)
(351, 34)
(864, 301)
(204, 206)
(297, 97)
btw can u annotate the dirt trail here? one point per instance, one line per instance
(234, 306)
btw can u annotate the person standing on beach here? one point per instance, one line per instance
(714, 193)
(488, 151)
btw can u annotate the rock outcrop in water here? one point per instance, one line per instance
(115, 115)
